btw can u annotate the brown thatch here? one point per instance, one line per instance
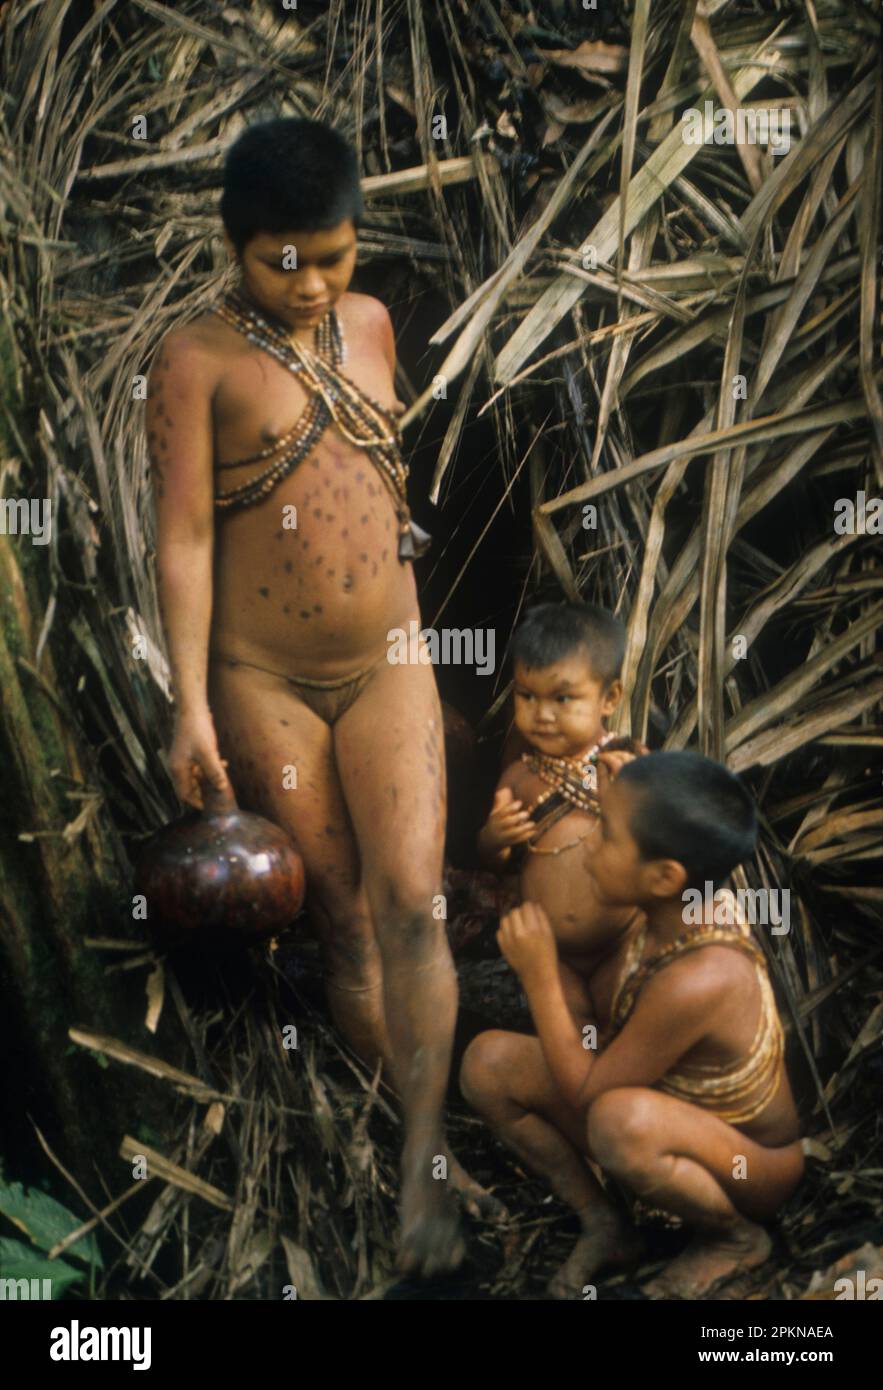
(673, 345)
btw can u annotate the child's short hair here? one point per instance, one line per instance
(289, 174)
(690, 809)
(552, 631)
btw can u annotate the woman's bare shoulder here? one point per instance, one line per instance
(198, 347)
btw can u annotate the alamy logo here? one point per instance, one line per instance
(768, 126)
(25, 1289)
(22, 517)
(452, 646)
(863, 517)
(768, 906)
(76, 1343)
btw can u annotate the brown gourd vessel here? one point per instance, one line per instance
(221, 873)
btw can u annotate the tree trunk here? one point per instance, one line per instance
(63, 875)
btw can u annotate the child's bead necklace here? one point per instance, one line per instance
(574, 779)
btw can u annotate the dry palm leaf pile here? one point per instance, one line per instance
(673, 344)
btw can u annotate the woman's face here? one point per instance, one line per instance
(298, 276)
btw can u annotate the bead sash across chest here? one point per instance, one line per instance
(333, 398)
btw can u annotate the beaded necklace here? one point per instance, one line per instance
(573, 783)
(363, 421)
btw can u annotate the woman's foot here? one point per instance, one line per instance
(606, 1242)
(431, 1241)
(710, 1259)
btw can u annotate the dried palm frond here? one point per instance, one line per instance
(673, 345)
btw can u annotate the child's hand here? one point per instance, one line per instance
(508, 824)
(611, 764)
(528, 943)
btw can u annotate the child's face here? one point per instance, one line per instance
(300, 297)
(620, 874)
(560, 708)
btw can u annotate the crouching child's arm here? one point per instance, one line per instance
(670, 1017)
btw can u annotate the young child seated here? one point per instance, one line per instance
(687, 1102)
(544, 821)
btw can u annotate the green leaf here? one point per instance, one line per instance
(19, 1261)
(46, 1221)
(149, 1136)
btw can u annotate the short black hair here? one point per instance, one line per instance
(690, 809)
(552, 631)
(289, 174)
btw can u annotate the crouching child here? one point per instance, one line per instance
(685, 1100)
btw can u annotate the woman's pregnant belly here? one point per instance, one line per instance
(308, 581)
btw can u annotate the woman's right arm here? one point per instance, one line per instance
(178, 419)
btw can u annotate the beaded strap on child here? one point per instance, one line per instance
(363, 421)
(737, 1092)
(573, 784)
(690, 940)
(576, 779)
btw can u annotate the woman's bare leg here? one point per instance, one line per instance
(389, 750)
(263, 728)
